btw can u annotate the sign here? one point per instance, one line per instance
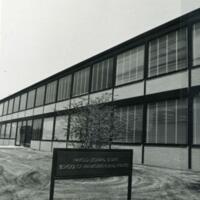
(87, 163)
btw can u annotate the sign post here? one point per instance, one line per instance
(87, 163)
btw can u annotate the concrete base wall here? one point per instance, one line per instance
(1, 141)
(137, 152)
(12, 142)
(196, 159)
(171, 157)
(35, 145)
(59, 145)
(45, 146)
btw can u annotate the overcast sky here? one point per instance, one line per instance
(41, 37)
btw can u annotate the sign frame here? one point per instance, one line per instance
(128, 153)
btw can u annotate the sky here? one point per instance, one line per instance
(41, 37)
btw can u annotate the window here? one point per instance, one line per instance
(196, 120)
(16, 104)
(61, 128)
(5, 108)
(168, 53)
(31, 99)
(7, 133)
(102, 75)
(48, 128)
(64, 88)
(37, 129)
(77, 126)
(18, 140)
(167, 122)
(3, 130)
(23, 101)
(40, 96)
(130, 66)
(1, 109)
(81, 82)
(10, 107)
(131, 118)
(13, 130)
(196, 44)
(51, 92)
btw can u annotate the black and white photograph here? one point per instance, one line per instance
(99, 100)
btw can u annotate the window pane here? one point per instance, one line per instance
(61, 128)
(196, 44)
(40, 96)
(10, 107)
(182, 125)
(151, 123)
(102, 75)
(13, 130)
(168, 53)
(182, 49)
(37, 129)
(19, 125)
(51, 92)
(167, 122)
(48, 128)
(161, 122)
(81, 82)
(130, 66)
(16, 104)
(5, 108)
(3, 127)
(196, 120)
(153, 58)
(171, 122)
(8, 127)
(131, 118)
(31, 99)
(64, 88)
(1, 109)
(23, 101)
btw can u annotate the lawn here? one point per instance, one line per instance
(25, 175)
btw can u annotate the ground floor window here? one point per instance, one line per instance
(61, 126)
(131, 118)
(167, 122)
(47, 133)
(13, 130)
(196, 120)
(37, 129)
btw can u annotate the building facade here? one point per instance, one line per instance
(153, 79)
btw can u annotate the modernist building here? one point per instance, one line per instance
(154, 79)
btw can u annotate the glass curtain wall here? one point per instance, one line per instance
(81, 82)
(130, 66)
(16, 104)
(168, 53)
(31, 99)
(167, 122)
(64, 88)
(196, 120)
(61, 128)
(37, 129)
(196, 44)
(102, 75)
(40, 96)
(51, 92)
(23, 101)
(131, 118)
(47, 133)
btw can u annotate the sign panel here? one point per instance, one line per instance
(87, 163)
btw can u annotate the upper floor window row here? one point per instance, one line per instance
(168, 53)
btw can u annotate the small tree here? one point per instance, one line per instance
(95, 125)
